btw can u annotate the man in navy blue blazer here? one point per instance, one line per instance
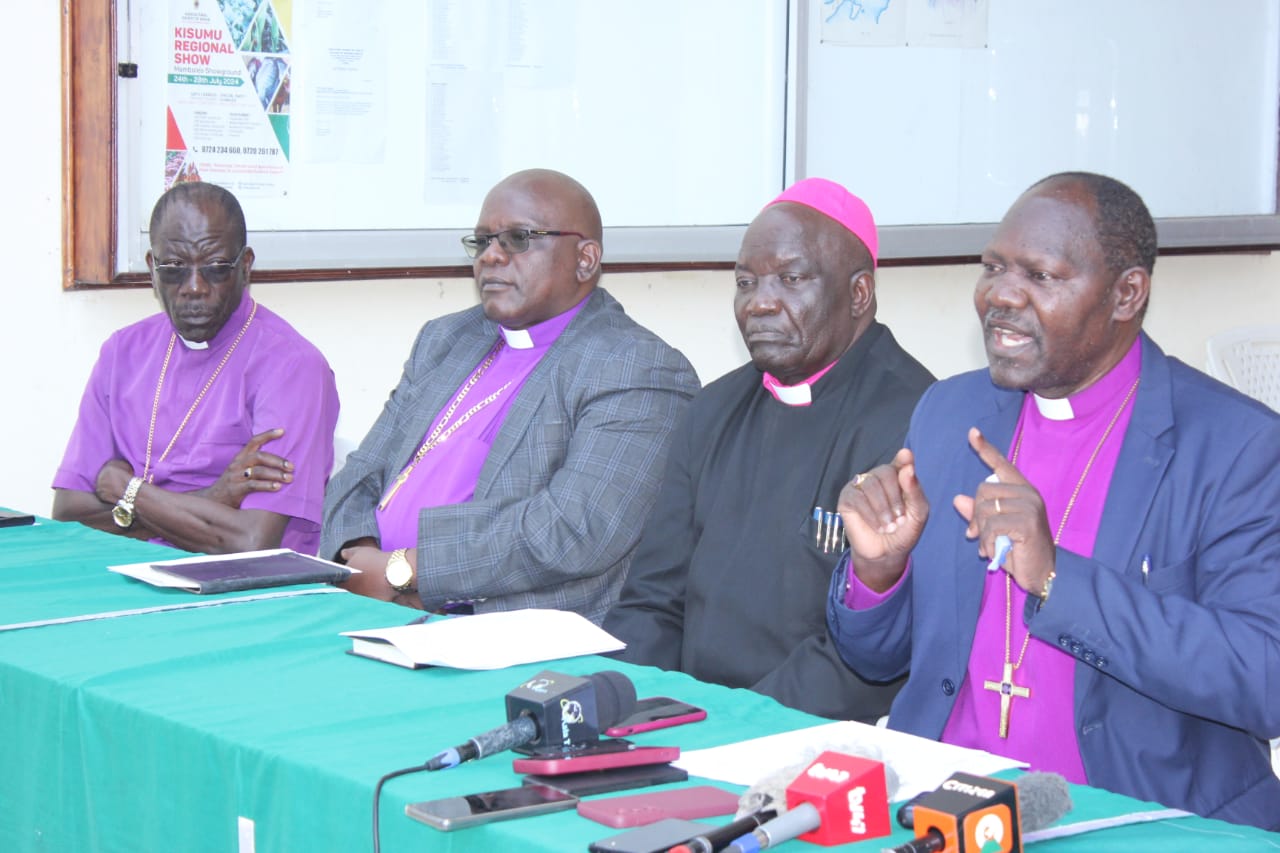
(1077, 555)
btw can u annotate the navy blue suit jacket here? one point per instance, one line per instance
(1177, 680)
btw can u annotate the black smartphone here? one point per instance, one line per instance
(662, 835)
(474, 809)
(608, 781)
(8, 518)
(656, 712)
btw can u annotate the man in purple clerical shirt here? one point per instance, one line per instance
(170, 440)
(515, 462)
(1129, 637)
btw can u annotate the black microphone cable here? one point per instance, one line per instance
(377, 792)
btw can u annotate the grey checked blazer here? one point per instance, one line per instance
(569, 481)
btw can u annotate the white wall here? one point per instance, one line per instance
(365, 328)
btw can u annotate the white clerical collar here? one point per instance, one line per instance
(1054, 410)
(517, 338)
(193, 344)
(800, 394)
(793, 395)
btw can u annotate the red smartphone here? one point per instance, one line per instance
(602, 756)
(653, 806)
(610, 781)
(657, 712)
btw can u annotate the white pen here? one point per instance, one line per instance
(1003, 546)
(1003, 543)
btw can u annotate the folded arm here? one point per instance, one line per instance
(208, 520)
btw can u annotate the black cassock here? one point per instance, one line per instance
(729, 581)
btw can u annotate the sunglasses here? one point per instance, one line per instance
(217, 272)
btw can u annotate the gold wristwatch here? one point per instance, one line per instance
(399, 573)
(122, 512)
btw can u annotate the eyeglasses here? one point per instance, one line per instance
(214, 273)
(513, 241)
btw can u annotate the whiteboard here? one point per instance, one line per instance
(684, 117)
(1178, 98)
(403, 113)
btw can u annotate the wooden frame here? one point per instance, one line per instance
(88, 142)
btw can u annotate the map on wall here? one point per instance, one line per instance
(905, 23)
(227, 98)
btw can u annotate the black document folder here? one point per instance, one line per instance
(233, 572)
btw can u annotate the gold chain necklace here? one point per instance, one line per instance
(440, 434)
(1005, 686)
(155, 403)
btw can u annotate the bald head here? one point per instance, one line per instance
(566, 199)
(209, 197)
(521, 288)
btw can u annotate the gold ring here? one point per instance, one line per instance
(857, 481)
(248, 472)
(997, 505)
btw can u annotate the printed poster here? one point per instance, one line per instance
(228, 95)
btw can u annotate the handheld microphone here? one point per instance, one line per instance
(786, 826)
(716, 839)
(550, 710)
(1042, 799)
(968, 814)
(850, 795)
(770, 790)
(837, 799)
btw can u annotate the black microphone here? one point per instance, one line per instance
(715, 840)
(968, 810)
(550, 710)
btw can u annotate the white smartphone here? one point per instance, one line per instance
(474, 809)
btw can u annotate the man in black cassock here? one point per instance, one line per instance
(730, 578)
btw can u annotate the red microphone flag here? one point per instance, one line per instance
(849, 794)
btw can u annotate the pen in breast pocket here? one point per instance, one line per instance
(817, 527)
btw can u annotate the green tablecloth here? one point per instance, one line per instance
(160, 732)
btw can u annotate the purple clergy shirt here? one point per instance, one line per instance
(1057, 441)
(448, 473)
(275, 378)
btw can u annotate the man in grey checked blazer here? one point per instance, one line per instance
(575, 461)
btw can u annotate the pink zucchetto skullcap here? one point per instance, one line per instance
(835, 201)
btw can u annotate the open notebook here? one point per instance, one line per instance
(486, 640)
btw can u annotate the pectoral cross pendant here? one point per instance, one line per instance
(1007, 690)
(395, 487)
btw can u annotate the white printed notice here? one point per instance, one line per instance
(228, 95)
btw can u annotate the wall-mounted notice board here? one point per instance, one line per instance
(361, 137)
